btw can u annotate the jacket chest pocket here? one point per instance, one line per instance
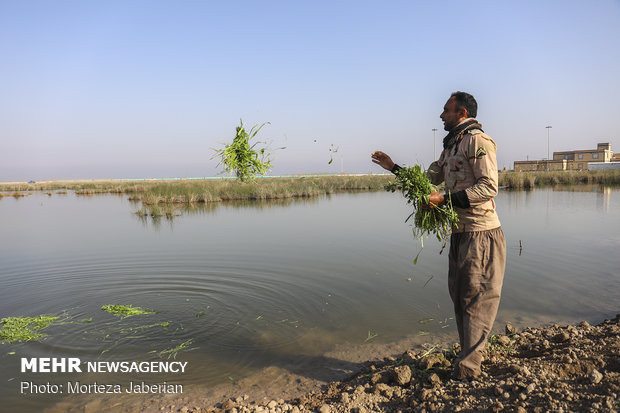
(456, 170)
(457, 162)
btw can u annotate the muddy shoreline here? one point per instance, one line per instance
(556, 368)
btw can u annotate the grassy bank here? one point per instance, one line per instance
(529, 180)
(208, 190)
(188, 191)
(274, 188)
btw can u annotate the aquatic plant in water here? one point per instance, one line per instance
(172, 352)
(25, 328)
(132, 330)
(125, 311)
(371, 335)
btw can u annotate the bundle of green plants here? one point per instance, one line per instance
(243, 158)
(417, 187)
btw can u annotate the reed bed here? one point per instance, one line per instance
(529, 180)
(156, 211)
(80, 187)
(209, 190)
(187, 192)
(203, 190)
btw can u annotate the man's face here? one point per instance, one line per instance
(451, 116)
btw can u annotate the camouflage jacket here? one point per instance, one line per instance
(469, 169)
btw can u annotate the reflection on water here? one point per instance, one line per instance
(604, 201)
(279, 284)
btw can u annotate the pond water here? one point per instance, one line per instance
(310, 287)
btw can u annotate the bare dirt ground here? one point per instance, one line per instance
(550, 369)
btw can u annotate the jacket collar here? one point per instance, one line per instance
(457, 132)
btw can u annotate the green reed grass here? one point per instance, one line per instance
(532, 179)
(187, 191)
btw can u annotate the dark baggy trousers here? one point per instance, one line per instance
(476, 273)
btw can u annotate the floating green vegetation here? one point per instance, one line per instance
(243, 159)
(125, 311)
(417, 188)
(25, 328)
(142, 328)
(172, 352)
(113, 336)
(371, 335)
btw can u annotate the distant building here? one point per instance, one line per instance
(579, 160)
(599, 166)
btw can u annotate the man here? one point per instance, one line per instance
(477, 257)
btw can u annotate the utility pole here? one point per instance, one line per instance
(434, 152)
(548, 146)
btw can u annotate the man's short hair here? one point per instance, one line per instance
(466, 101)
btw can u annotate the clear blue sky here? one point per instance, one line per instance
(111, 89)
